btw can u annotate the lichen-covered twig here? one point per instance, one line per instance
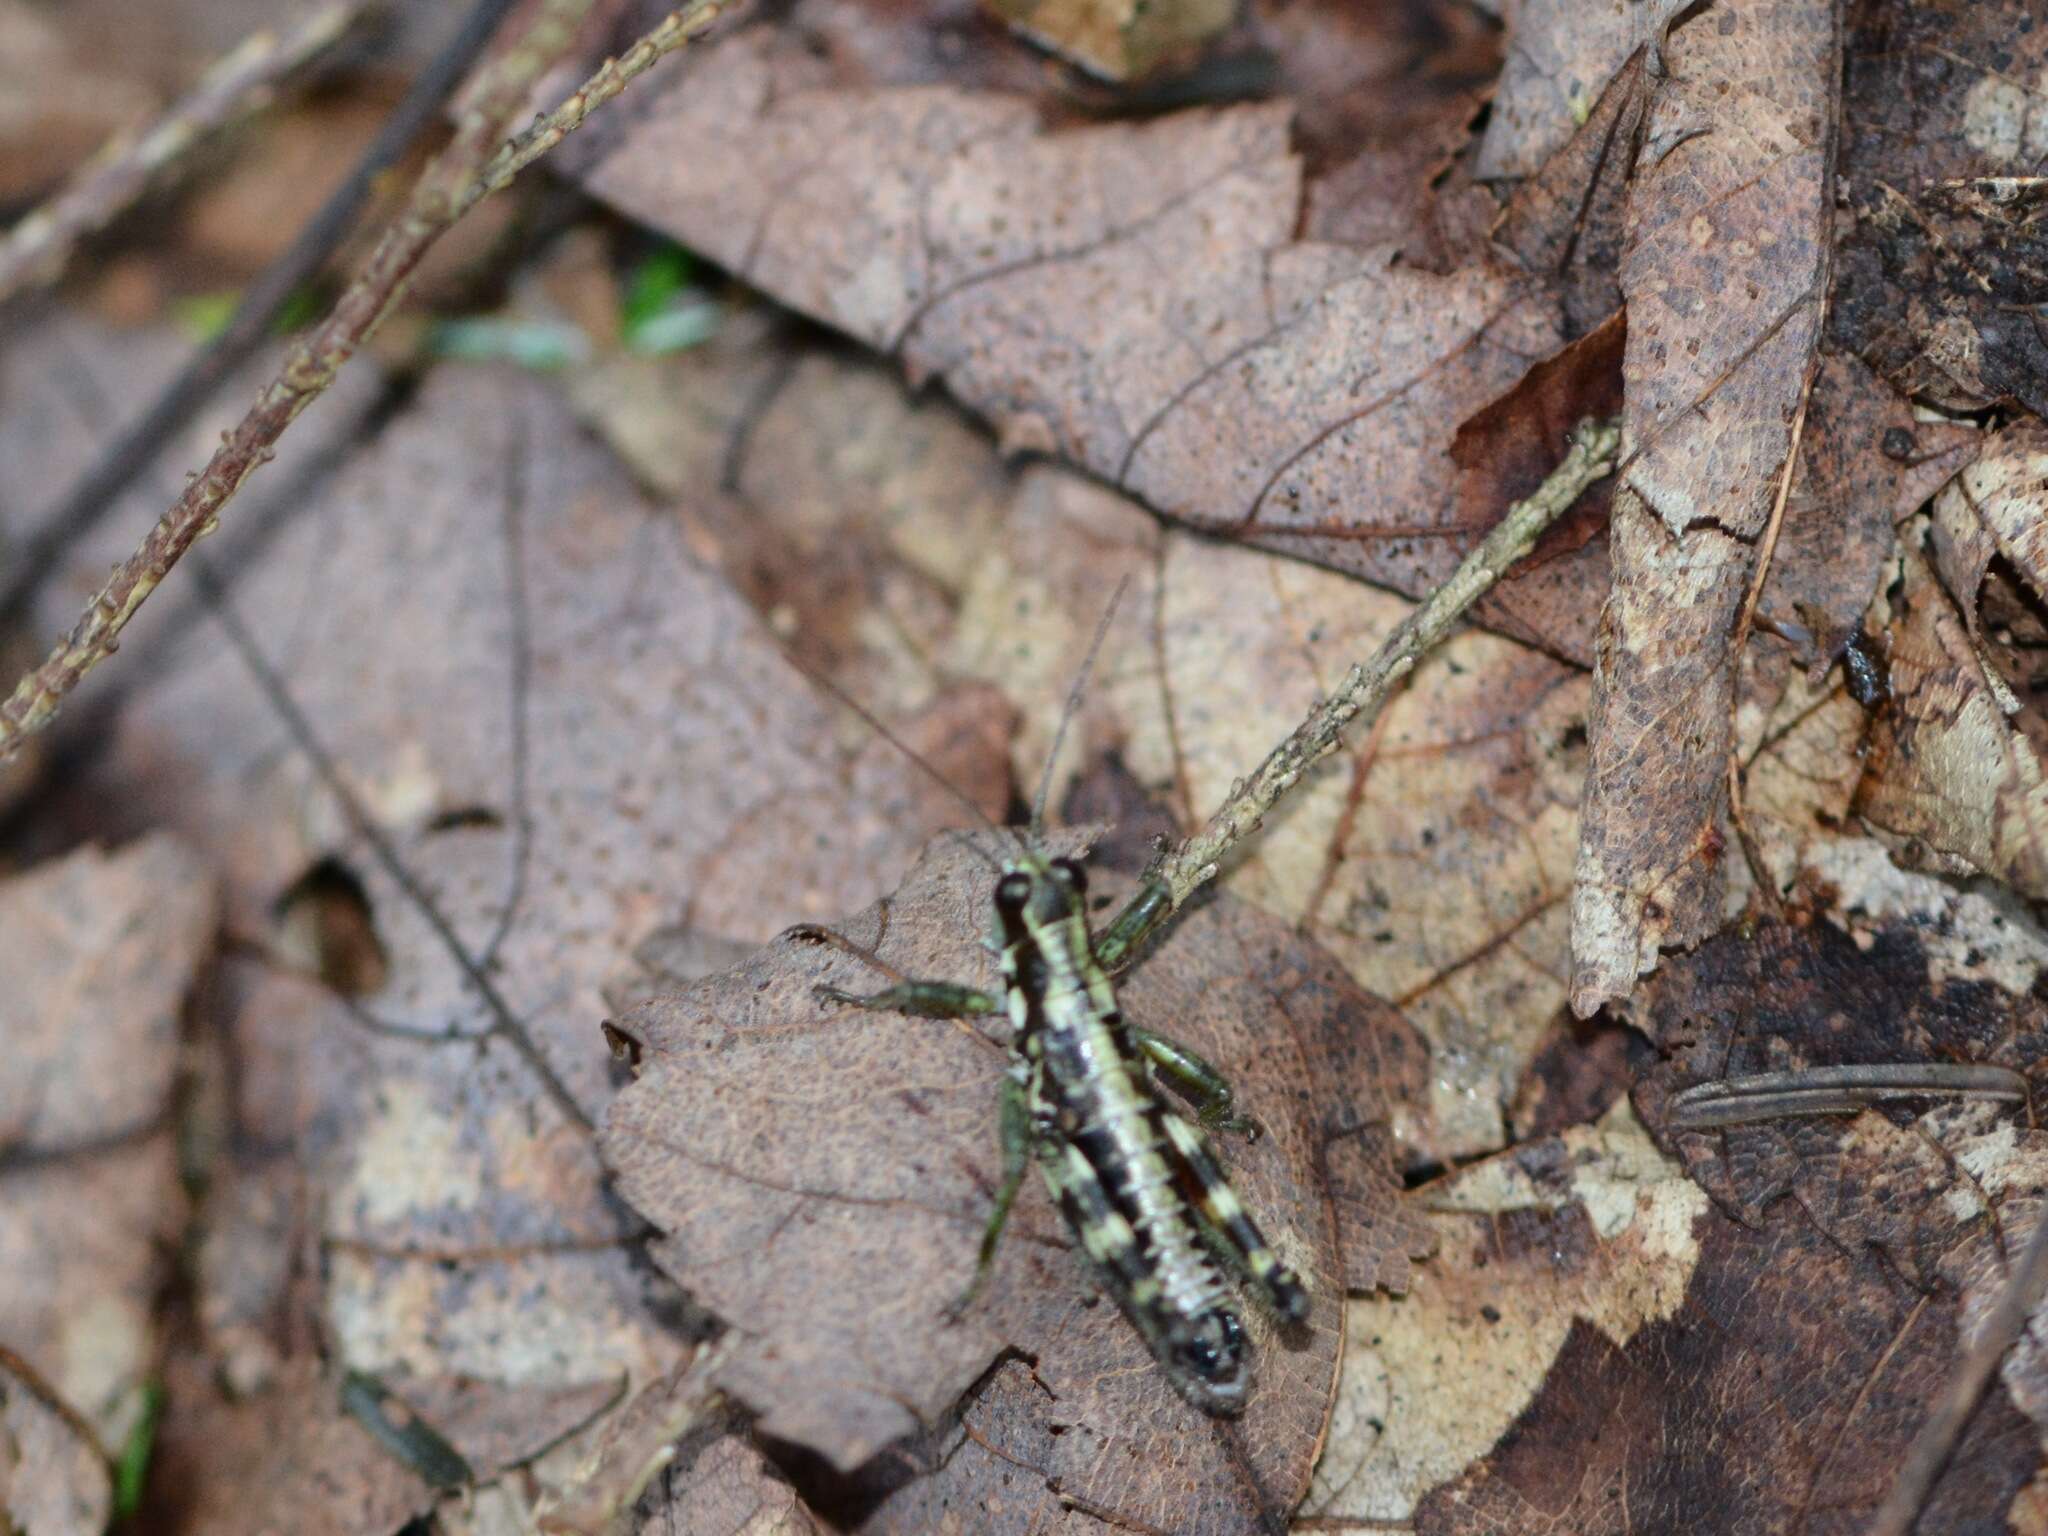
(1366, 687)
(476, 162)
(35, 250)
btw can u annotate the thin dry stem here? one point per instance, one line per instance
(1366, 687)
(476, 162)
(35, 251)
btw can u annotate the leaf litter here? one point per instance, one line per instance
(479, 837)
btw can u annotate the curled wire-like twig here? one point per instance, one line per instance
(1833, 1090)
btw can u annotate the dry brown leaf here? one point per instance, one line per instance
(1591, 1230)
(1566, 220)
(1954, 767)
(1725, 275)
(1560, 57)
(827, 1205)
(53, 1477)
(294, 1459)
(1133, 298)
(1942, 160)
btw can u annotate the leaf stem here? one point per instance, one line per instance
(1368, 685)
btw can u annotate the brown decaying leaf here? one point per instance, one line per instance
(1942, 161)
(1953, 767)
(100, 952)
(1725, 274)
(1560, 56)
(1131, 297)
(823, 1175)
(54, 1480)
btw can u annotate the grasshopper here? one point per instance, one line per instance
(1138, 1182)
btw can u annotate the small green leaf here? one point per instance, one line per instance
(131, 1467)
(659, 279)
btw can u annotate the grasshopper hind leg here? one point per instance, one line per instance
(1274, 1279)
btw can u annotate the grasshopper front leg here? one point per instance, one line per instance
(1017, 1141)
(923, 999)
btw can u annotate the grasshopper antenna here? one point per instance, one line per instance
(1072, 707)
(875, 724)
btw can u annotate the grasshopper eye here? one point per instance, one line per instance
(1070, 872)
(1013, 890)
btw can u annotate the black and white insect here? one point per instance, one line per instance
(1139, 1182)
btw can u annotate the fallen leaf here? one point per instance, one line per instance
(1599, 1347)
(1940, 158)
(1299, 394)
(1725, 274)
(294, 1458)
(833, 1249)
(1567, 220)
(558, 734)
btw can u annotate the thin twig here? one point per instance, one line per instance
(34, 252)
(94, 495)
(1367, 686)
(1931, 1447)
(460, 176)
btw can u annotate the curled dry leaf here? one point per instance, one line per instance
(1998, 510)
(1955, 763)
(101, 953)
(822, 1177)
(1725, 274)
(1560, 56)
(1133, 298)
(1942, 161)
